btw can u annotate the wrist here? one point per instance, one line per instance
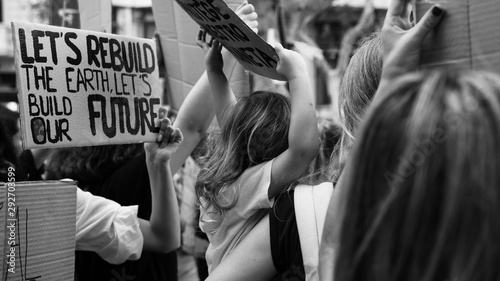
(157, 161)
(302, 78)
(213, 68)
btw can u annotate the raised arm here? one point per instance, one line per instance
(197, 111)
(162, 231)
(303, 136)
(222, 95)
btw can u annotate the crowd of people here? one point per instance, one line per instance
(402, 188)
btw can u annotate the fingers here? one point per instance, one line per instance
(244, 8)
(278, 48)
(241, 6)
(398, 14)
(163, 112)
(176, 136)
(428, 22)
(280, 51)
(247, 13)
(201, 39)
(217, 45)
(162, 134)
(397, 8)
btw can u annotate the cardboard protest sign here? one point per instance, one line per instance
(37, 233)
(467, 37)
(224, 25)
(183, 58)
(81, 88)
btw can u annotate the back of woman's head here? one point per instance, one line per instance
(423, 197)
(254, 130)
(359, 83)
(358, 86)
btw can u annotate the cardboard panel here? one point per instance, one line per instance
(38, 230)
(468, 36)
(81, 88)
(95, 15)
(485, 22)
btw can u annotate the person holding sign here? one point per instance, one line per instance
(115, 232)
(252, 257)
(266, 142)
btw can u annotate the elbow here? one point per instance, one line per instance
(170, 244)
(195, 129)
(167, 240)
(192, 127)
(308, 150)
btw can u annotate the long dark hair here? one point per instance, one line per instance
(423, 194)
(90, 165)
(254, 130)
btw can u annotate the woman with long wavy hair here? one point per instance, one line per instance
(423, 201)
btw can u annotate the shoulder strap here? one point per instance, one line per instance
(311, 204)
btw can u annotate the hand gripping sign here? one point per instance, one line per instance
(224, 25)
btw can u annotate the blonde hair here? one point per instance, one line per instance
(255, 130)
(423, 198)
(357, 89)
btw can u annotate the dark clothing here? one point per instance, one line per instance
(285, 242)
(129, 185)
(27, 162)
(10, 172)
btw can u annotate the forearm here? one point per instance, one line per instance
(222, 96)
(303, 136)
(196, 114)
(164, 221)
(193, 119)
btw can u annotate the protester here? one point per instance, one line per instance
(265, 144)
(129, 185)
(357, 89)
(275, 240)
(115, 232)
(118, 173)
(401, 55)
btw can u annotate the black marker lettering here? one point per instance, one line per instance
(73, 47)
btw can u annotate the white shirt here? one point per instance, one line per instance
(226, 231)
(107, 228)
